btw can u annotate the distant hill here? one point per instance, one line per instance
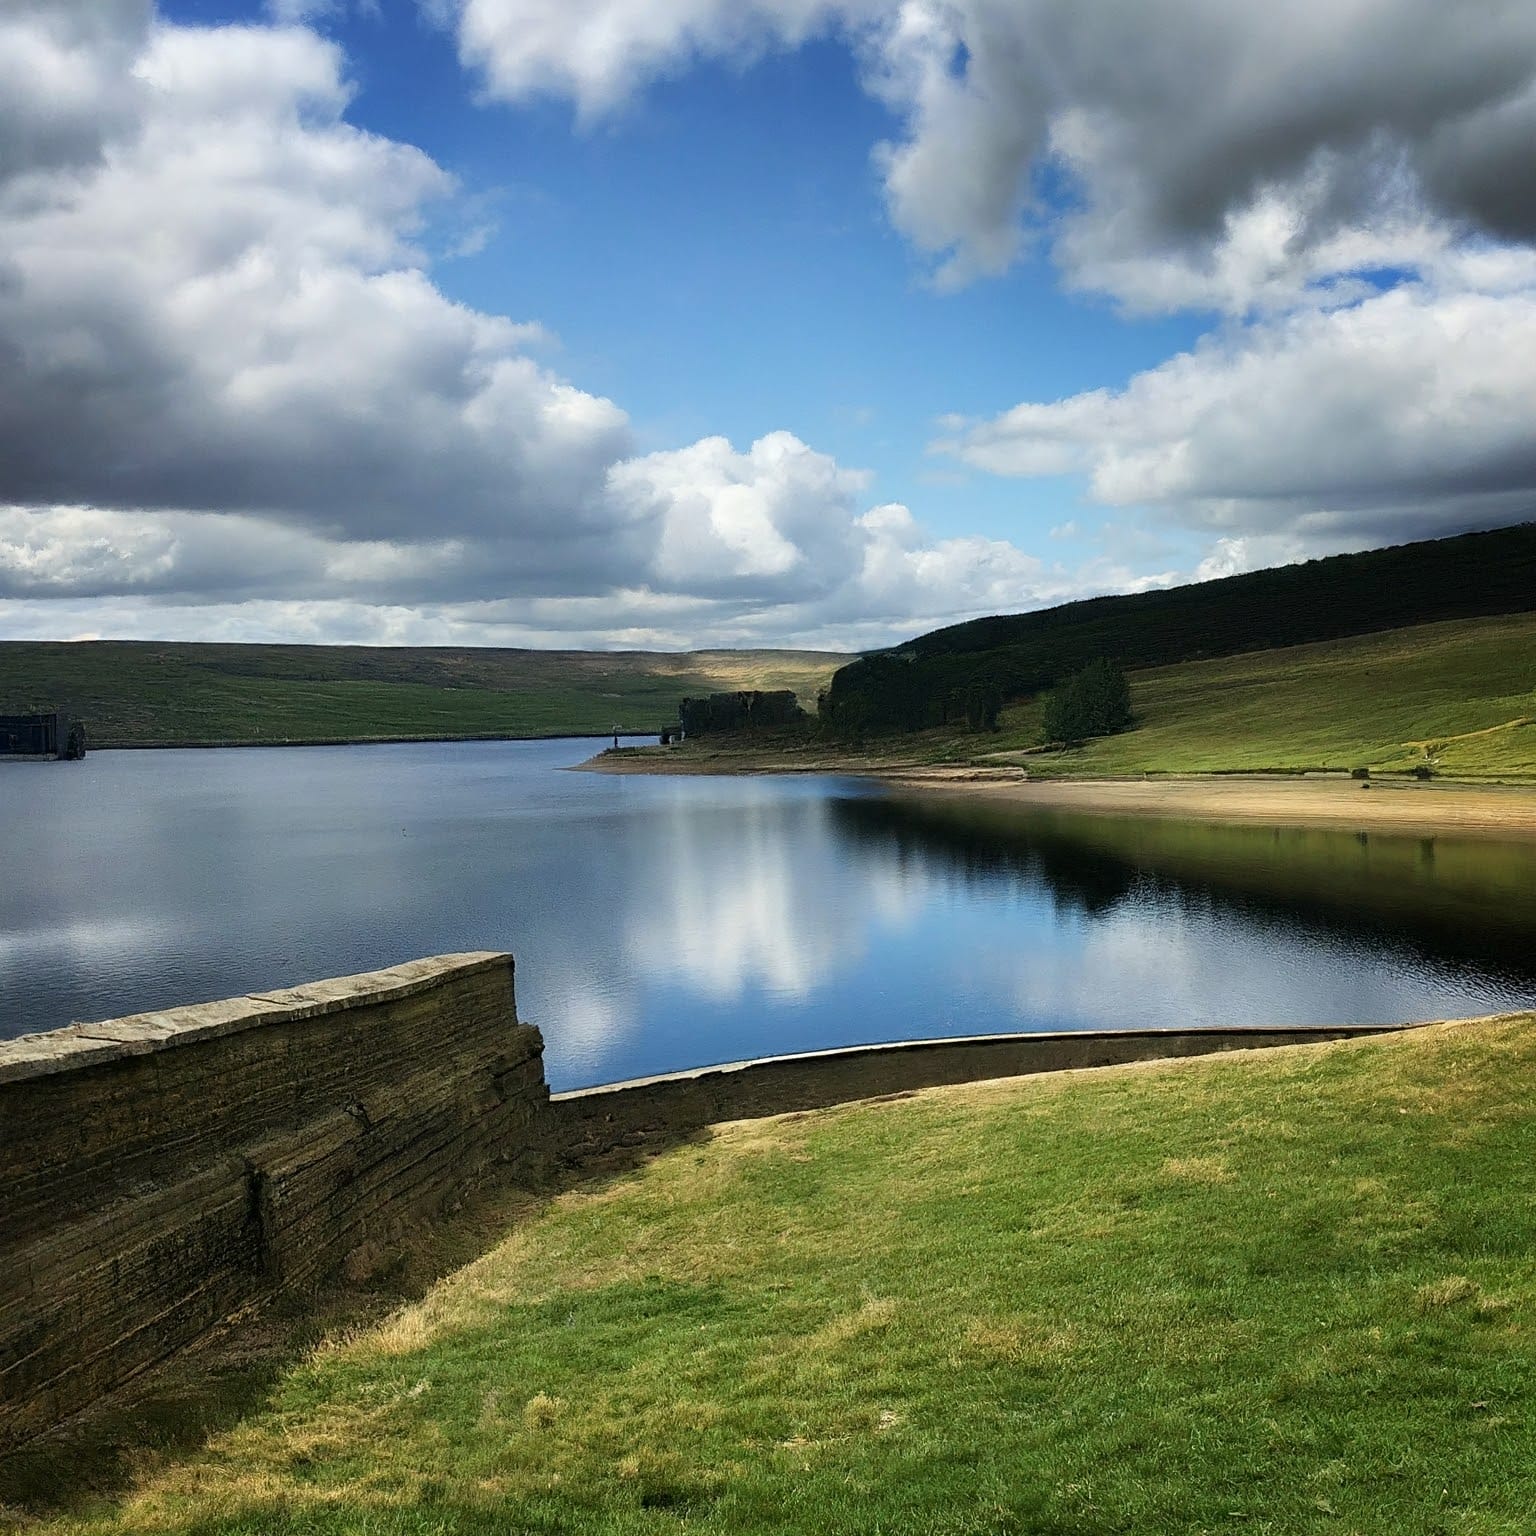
(141, 693)
(922, 683)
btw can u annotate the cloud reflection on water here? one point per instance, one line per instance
(660, 923)
(761, 896)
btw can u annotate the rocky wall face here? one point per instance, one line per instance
(158, 1173)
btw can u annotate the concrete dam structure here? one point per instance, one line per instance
(160, 1173)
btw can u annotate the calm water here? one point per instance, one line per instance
(663, 923)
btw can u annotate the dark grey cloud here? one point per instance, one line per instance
(65, 88)
(1219, 153)
(229, 316)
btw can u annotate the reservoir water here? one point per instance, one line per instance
(661, 923)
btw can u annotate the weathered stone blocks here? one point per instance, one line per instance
(160, 1172)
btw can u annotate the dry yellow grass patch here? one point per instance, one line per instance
(1195, 1170)
(541, 1410)
(1029, 1341)
(1459, 1291)
(874, 1316)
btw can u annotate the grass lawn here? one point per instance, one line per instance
(142, 693)
(1459, 696)
(1284, 1292)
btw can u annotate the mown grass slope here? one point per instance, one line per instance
(140, 693)
(1286, 1292)
(1458, 697)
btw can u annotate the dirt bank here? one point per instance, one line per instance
(1387, 805)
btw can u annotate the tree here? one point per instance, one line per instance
(983, 704)
(1093, 702)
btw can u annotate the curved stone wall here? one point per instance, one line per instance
(592, 1121)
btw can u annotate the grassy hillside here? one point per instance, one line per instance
(1460, 697)
(1289, 1293)
(923, 682)
(136, 693)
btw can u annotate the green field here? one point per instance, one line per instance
(149, 693)
(1457, 697)
(1287, 1292)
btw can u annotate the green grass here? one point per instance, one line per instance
(1459, 696)
(143, 693)
(1291, 1292)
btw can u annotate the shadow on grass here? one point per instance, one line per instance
(176, 1407)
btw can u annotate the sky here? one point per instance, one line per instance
(672, 323)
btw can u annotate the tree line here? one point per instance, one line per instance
(968, 672)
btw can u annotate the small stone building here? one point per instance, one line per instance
(47, 734)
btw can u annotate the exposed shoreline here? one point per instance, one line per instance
(1388, 805)
(1406, 807)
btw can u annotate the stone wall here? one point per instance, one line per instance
(594, 1121)
(158, 1173)
(161, 1172)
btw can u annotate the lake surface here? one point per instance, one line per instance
(663, 923)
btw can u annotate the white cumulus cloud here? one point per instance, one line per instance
(231, 379)
(779, 518)
(598, 52)
(1410, 412)
(226, 312)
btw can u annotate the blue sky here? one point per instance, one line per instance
(852, 318)
(717, 257)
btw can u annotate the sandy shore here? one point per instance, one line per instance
(1408, 807)
(1388, 805)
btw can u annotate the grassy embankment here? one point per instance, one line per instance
(1288, 1292)
(151, 693)
(1458, 696)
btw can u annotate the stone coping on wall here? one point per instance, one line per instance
(78, 1046)
(1294, 1034)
